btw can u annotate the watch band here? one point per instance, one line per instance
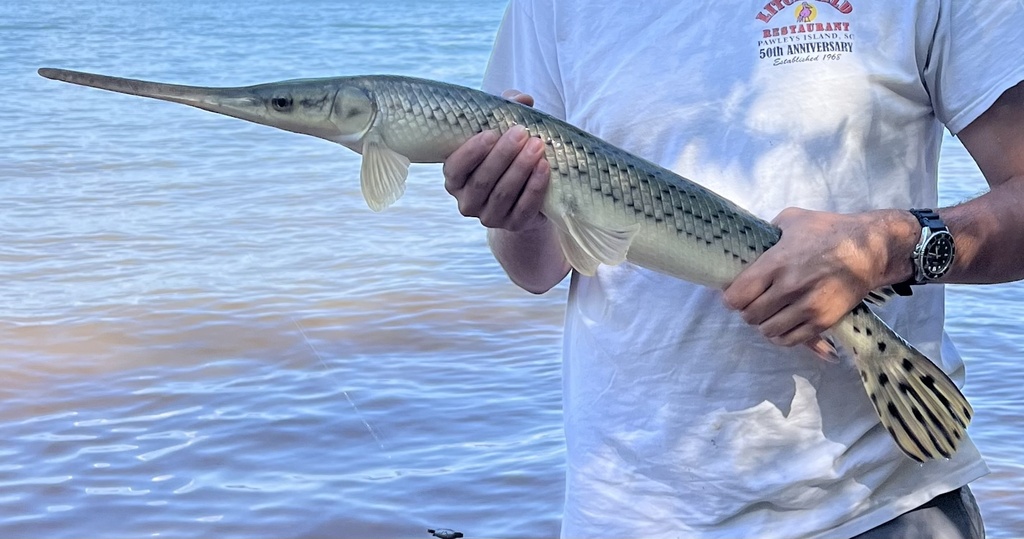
(929, 219)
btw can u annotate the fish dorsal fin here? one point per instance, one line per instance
(587, 245)
(383, 172)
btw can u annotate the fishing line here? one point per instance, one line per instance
(359, 414)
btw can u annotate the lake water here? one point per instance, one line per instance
(206, 333)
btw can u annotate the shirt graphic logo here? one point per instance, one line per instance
(807, 13)
(810, 32)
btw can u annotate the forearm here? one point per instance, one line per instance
(987, 231)
(532, 258)
(989, 246)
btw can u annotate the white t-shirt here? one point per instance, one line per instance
(681, 420)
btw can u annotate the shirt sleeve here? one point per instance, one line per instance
(524, 56)
(974, 54)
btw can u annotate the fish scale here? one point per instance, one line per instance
(607, 205)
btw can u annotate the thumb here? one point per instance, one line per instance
(517, 96)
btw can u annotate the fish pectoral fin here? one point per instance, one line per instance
(587, 245)
(383, 173)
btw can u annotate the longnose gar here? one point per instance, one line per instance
(608, 206)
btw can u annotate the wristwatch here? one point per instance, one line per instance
(934, 253)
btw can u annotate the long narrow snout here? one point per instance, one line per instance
(235, 102)
(300, 106)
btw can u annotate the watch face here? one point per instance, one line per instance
(938, 255)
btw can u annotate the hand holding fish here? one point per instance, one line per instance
(503, 179)
(821, 268)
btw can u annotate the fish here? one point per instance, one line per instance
(608, 206)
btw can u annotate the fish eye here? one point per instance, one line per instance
(281, 104)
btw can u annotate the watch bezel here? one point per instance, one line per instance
(935, 256)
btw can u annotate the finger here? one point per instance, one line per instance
(782, 323)
(519, 97)
(526, 212)
(750, 284)
(464, 160)
(799, 335)
(794, 324)
(510, 186)
(764, 307)
(477, 189)
(823, 348)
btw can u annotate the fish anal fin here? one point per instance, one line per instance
(383, 173)
(587, 245)
(881, 296)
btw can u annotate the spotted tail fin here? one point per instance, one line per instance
(923, 410)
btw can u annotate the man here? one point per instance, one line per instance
(681, 420)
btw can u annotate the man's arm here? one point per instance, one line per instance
(503, 181)
(826, 263)
(989, 230)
